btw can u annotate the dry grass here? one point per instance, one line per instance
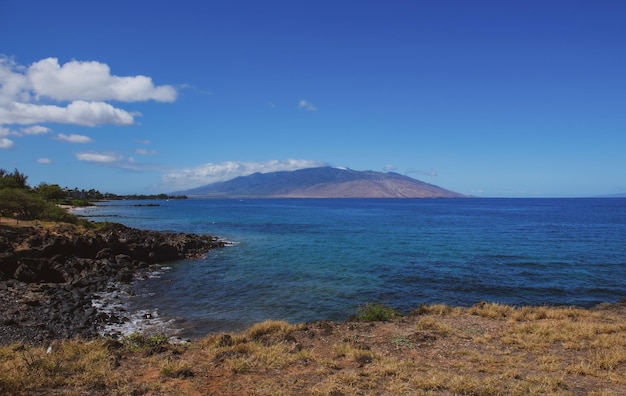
(488, 349)
(65, 365)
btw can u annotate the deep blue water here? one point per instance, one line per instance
(309, 259)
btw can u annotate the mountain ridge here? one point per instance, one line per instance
(321, 182)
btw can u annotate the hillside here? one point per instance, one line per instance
(323, 182)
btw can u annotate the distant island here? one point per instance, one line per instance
(322, 182)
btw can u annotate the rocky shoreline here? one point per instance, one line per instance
(50, 274)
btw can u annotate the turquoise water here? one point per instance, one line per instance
(307, 259)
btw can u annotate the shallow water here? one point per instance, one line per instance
(309, 259)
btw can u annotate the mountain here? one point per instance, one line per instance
(324, 182)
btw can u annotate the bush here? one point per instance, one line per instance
(376, 313)
(149, 344)
(54, 213)
(24, 205)
(75, 202)
(20, 204)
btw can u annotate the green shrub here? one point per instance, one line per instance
(376, 313)
(54, 213)
(20, 204)
(73, 202)
(138, 342)
(24, 205)
(86, 223)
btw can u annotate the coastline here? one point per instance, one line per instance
(51, 272)
(49, 338)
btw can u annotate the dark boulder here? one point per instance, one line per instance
(49, 276)
(37, 270)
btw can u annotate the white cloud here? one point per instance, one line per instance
(78, 112)
(35, 130)
(116, 160)
(412, 171)
(432, 172)
(145, 152)
(13, 82)
(99, 158)
(6, 143)
(92, 81)
(305, 104)
(72, 138)
(81, 90)
(44, 161)
(211, 173)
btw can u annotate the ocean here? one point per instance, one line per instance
(302, 260)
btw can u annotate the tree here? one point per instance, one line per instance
(13, 180)
(50, 192)
(19, 201)
(15, 202)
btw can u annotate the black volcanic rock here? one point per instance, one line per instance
(324, 182)
(48, 276)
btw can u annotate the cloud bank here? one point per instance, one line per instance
(73, 93)
(211, 173)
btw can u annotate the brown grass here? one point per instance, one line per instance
(488, 349)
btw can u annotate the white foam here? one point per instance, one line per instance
(114, 304)
(155, 271)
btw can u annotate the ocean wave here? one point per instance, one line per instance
(114, 306)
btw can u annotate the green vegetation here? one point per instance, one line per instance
(143, 197)
(376, 313)
(21, 202)
(148, 344)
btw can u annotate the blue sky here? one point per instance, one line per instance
(489, 98)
